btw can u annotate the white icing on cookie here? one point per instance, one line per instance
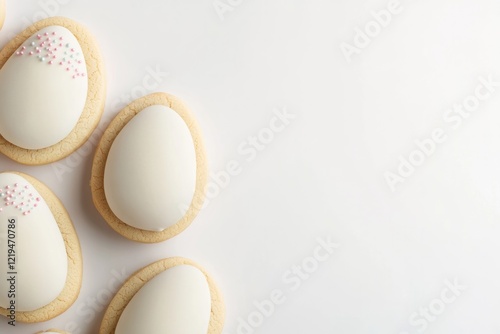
(43, 89)
(41, 263)
(175, 301)
(150, 173)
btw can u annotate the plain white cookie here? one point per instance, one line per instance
(139, 279)
(99, 165)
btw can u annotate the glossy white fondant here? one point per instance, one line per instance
(41, 263)
(175, 301)
(150, 172)
(43, 89)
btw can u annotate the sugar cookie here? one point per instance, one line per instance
(52, 91)
(39, 251)
(173, 295)
(149, 170)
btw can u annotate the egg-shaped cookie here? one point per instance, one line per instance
(52, 91)
(173, 295)
(149, 170)
(40, 257)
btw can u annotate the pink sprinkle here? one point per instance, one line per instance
(46, 34)
(60, 63)
(83, 74)
(51, 62)
(79, 62)
(25, 213)
(53, 33)
(38, 36)
(38, 199)
(17, 206)
(1, 209)
(72, 50)
(25, 187)
(24, 48)
(31, 53)
(35, 205)
(54, 57)
(7, 187)
(18, 53)
(38, 51)
(55, 49)
(67, 68)
(50, 44)
(60, 44)
(22, 52)
(74, 76)
(16, 184)
(60, 38)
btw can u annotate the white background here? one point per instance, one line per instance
(323, 175)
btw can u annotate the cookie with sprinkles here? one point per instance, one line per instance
(50, 46)
(19, 197)
(52, 91)
(43, 261)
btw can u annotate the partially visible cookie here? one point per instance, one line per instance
(52, 91)
(52, 331)
(149, 170)
(41, 262)
(2, 12)
(173, 295)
